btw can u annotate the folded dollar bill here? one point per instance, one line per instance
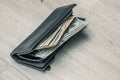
(55, 37)
(75, 27)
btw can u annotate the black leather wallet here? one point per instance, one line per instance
(40, 47)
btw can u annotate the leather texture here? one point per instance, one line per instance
(23, 53)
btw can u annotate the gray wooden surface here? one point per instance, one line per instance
(92, 55)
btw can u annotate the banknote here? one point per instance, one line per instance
(75, 27)
(55, 37)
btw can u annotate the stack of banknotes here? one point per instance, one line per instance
(64, 32)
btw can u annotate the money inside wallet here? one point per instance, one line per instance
(65, 31)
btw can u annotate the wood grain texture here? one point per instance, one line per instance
(91, 55)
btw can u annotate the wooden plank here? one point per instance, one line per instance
(93, 55)
(8, 72)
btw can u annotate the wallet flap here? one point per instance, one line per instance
(45, 29)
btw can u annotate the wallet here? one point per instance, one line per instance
(39, 49)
